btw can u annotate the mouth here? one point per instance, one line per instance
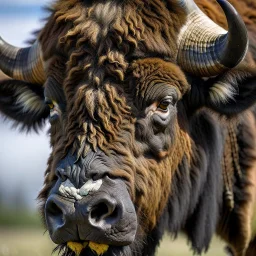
(79, 247)
(89, 248)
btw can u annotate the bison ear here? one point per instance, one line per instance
(228, 94)
(24, 103)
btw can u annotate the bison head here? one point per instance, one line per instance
(119, 107)
(121, 143)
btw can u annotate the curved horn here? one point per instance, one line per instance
(22, 63)
(206, 49)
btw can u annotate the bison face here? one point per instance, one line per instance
(114, 149)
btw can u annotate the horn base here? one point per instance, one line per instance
(197, 43)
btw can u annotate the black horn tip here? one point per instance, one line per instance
(237, 43)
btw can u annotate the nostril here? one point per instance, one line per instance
(104, 213)
(59, 216)
(113, 217)
(54, 214)
(53, 209)
(99, 211)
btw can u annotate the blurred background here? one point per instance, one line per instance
(23, 158)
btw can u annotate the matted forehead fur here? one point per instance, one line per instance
(110, 28)
(93, 64)
(95, 42)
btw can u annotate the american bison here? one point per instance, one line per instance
(151, 105)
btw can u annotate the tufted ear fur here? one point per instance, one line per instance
(24, 103)
(228, 94)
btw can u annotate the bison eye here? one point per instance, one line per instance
(164, 104)
(54, 109)
(49, 103)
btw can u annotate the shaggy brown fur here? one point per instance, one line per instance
(109, 64)
(97, 46)
(236, 224)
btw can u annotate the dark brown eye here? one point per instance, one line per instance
(164, 104)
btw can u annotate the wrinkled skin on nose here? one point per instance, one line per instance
(80, 208)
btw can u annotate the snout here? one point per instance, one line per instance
(105, 216)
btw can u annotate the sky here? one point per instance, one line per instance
(23, 157)
(23, 3)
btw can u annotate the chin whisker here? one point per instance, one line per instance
(63, 250)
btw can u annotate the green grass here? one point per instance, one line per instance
(19, 219)
(33, 242)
